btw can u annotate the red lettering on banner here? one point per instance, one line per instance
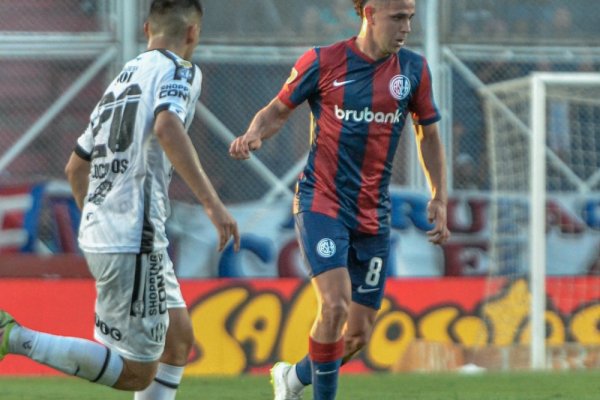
(464, 258)
(563, 219)
(245, 326)
(289, 263)
(476, 215)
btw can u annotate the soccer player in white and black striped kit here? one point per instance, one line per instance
(120, 172)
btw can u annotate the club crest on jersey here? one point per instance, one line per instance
(292, 77)
(137, 308)
(399, 87)
(183, 74)
(184, 63)
(326, 248)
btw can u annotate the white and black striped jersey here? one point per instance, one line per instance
(127, 202)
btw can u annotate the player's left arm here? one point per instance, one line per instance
(180, 150)
(77, 171)
(433, 161)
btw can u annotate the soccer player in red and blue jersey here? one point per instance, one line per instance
(360, 92)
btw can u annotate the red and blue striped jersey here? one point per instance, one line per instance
(359, 107)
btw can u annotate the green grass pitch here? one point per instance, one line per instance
(447, 386)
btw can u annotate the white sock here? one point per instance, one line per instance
(165, 384)
(73, 356)
(293, 381)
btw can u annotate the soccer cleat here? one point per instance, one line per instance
(282, 391)
(7, 322)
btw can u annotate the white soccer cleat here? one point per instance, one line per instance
(282, 391)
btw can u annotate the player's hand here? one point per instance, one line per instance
(436, 214)
(225, 224)
(241, 147)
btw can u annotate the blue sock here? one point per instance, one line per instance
(326, 359)
(325, 379)
(304, 370)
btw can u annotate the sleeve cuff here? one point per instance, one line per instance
(82, 153)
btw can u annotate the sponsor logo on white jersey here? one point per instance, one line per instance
(367, 115)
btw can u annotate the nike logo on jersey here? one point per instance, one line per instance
(337, 83)
(363, 290)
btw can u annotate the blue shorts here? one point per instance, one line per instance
(327, 243)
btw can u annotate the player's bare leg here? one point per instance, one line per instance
(180, 338)
(326, 344)
(358, 329)
(160, 380)
(179, 341)
(357, 332)
(136, 375)
(333, 291)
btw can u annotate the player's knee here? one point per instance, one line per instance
(335, 310)
(176, 351)
(188, 339)
(185, 339)
(184, 346)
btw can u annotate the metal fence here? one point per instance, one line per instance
(56, 56)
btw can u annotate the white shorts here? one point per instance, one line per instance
(133, 295)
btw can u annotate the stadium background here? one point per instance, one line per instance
(56, 57)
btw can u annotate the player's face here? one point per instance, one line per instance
(392, 24)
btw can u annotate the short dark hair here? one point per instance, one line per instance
(172, 16)
(161, 7)
(358, 6)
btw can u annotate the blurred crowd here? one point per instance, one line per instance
(524, 21)
(29, 87)
(308, 21)
(464, 21)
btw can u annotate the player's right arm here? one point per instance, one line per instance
(301, 84)
(180, 150)
(266, 123)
